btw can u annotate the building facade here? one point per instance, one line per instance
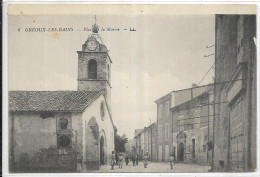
(165, 120)
(152, 141)
(164, 124)
(192, 130)
(137, 139)
(65, 131)
(235, 124)
(146, 141)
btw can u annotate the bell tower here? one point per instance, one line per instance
(94, 66)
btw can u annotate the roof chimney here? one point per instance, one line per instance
(194, 85)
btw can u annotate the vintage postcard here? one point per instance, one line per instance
(116, 88)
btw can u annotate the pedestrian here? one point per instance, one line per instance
(133, 160)
(112, 160)
(126, 160)
(171, 160)
(120, 160)
(174, 158)
(146, 160)
(136, 158)
(116, 159)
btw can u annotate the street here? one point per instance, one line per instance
(156, 167)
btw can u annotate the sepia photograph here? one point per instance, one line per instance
(131, 88)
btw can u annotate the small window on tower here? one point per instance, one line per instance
(92, 69)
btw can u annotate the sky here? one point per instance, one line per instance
(165, 53)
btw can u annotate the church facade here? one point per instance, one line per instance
(63, 131)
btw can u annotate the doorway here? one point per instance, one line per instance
(92, 154)
(102, 153)
(181, 152)
(193, 149)
(160, 153)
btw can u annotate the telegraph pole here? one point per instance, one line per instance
(213, 126)
(208, 132)
(214, 99)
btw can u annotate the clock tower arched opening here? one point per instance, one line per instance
(92, 69)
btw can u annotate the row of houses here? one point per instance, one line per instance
(212, 124)
(183, 117)
(146, 141)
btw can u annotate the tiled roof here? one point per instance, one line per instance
(51, 100)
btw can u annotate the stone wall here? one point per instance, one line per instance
(103, 81)
(191, 119)
(102, 64)
(200, 137)
(33, 137)
(235, 53)
(32, 133)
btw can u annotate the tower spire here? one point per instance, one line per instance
(95, 27)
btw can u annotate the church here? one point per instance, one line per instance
(65, 131)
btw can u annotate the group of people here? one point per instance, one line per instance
(116, 160)
(119, 160)
(135, 159)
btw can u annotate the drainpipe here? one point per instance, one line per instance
(214, 117)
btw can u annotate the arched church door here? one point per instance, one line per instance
(102, 153)
(92, 145)
(193, 148)
(181, 152)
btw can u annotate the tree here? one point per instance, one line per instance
(120, 142)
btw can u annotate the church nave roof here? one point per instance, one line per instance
(51, 100)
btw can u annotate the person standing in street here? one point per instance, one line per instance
(133, 160)
(146, 160)
(136, 158)
(126, 159)
(174, 158)
(171, 160)
(116, 159)
(120, 160)
(112, 160)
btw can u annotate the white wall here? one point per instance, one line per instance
(105, 127)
